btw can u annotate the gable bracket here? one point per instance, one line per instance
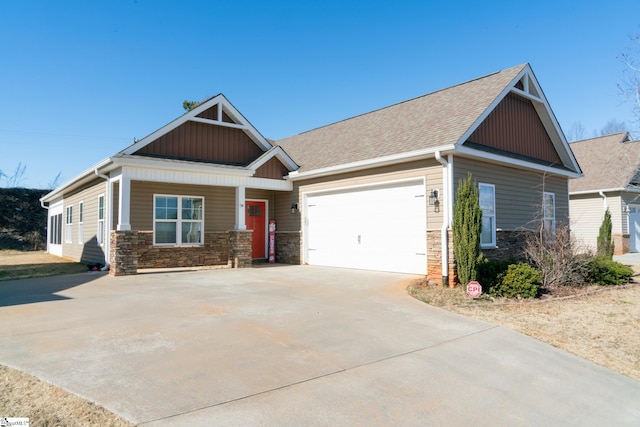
(217, 122)
(526, 94)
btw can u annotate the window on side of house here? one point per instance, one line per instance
(100, 236)
(549, 212)
(81, 222)
(55, 234)
(68, 225)
(178, 220)
(487, 196)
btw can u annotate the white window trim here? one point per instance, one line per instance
(101, 223)
(492, 244)
(178, 221)
(68, 224)
(544, 211)
(81, 222)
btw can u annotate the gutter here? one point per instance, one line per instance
(445, 218)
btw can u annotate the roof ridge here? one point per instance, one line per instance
(409, 100)
(601, 137)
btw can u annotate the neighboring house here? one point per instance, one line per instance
(374, 191)
(611, 180)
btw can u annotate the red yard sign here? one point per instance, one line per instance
(474, 290)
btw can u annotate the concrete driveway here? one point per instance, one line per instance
(293, 345)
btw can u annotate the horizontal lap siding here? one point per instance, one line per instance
(219, 203)
(518, 192)
(587, 212)
(429, 169)
(88, 250)
(627, 199)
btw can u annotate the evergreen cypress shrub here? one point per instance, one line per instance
(467, 224)
(605, 243)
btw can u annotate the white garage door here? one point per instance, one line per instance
(373, 228)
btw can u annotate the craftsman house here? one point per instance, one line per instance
(372, 192)
(611, 180)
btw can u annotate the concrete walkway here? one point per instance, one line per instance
(294, 345)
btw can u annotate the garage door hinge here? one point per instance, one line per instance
(419, 195)
(420, 253)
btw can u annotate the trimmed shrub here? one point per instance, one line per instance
(605, 271)
(490, 272)
(520, 280)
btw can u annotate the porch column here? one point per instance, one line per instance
(240, 202)
(124, 202)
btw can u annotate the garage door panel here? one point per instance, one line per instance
(381, 228)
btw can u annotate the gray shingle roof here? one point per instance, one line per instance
(607, 162)
(429, 121)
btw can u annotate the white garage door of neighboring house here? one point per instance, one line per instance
(372, 228)
(634, 228)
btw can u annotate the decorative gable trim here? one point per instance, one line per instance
(223, 105)
(526, 85)
(277, 152)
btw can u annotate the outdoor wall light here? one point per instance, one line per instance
(433, 200)
(433, 197)
(294, 208)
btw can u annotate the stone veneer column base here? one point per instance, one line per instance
(434, 259)
(622, 243)
(240, 248)
(123, 258)
(288, 247)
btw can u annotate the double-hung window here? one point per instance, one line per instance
(549, 211)
(100, 236)
(487, 195)
(68, 225)
(81, 222)
(178, 220)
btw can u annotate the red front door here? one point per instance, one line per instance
(255, 218)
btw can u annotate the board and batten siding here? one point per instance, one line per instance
(430, 170)
(89, 250)
(219, 203)
(518, 192)
(587, 212)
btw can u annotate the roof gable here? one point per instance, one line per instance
(216, 112)
(608, 162)
(514, 129)
(525, 86)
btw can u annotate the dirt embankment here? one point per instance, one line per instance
(23, 221)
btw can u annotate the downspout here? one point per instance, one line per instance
(604, 200)
(107, 222)
(47, 224)
(444, 232)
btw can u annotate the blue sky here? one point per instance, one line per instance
(80, 79)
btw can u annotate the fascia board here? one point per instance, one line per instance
(605, 190)
(237, 116)
(470, 152)
(371, 163)
(188, 167)
(77, 181)
(277, 152)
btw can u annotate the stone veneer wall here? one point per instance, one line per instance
(622, 244)
(123, 260)
(288, 247)
(215, 251)
(510, 244)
